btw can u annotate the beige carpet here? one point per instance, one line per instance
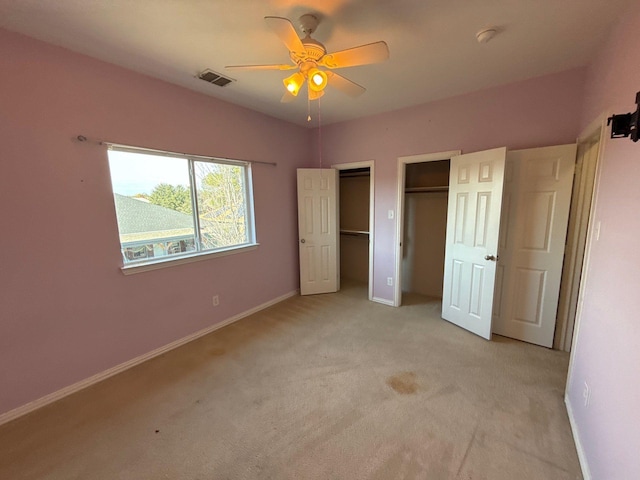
(321, 387)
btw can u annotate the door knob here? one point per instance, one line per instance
(493, 258)
(302, 241)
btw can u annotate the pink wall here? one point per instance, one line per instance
(66, 310)
(537, 112)
(607, 349)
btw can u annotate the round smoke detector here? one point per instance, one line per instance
(483, 36)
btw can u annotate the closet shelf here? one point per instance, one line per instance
(356, 233)
(443, 188)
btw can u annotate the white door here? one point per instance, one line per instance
(473, 223)
(536, 211)
(318, 230)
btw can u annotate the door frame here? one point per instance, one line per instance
(370, 164)
(571, 281)
(598, 125)
(401, 180)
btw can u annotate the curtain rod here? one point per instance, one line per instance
(82, 138)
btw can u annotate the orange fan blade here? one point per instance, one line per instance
(362, 55)
(345, 85)
(284, 29)
(313, 95)
(287, 97)
(261, 67)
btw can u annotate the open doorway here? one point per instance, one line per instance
(424, 228)
(474, 191)
(356, 224)
(423, 184)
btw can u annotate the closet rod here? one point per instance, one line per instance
(354, 233)
(353, 175)
(426, 189)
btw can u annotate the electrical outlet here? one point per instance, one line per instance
(216, 300)
(586, 394)
(390, 281)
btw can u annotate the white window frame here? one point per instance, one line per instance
(199, 255)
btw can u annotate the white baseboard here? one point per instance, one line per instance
(586, 473)
(82, 384)
(383, 301)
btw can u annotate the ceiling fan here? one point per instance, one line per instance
(309, 55)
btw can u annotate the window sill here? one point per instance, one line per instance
(131, 269)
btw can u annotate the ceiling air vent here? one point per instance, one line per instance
(215, 78)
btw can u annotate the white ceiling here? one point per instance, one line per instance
(434, 53)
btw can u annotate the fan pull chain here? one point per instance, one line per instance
(319, 135)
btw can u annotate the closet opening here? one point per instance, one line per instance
(356, 226)
(425, 226)
(422, 224)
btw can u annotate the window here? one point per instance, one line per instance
(170, 205)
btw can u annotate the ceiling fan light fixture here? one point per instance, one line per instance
(308, 56)
(294, 83)
(317, 79)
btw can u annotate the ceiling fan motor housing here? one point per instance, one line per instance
(314, 51)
